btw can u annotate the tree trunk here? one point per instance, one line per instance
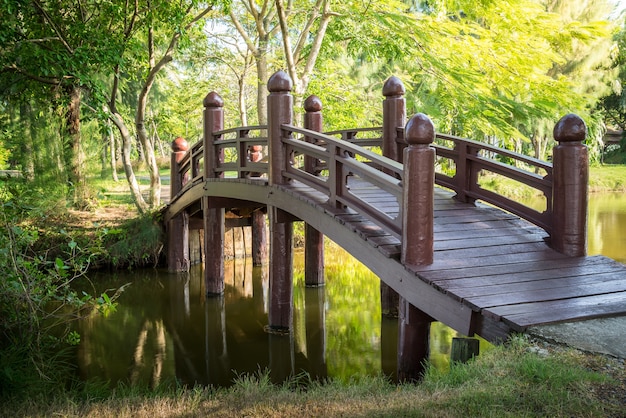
(127, 139)
(261, 98)
(27, 156)
(112, 151)
(76, 154)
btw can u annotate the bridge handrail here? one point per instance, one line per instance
(469, 162)
(466, 154)
(344, 159)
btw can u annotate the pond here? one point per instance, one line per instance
(164, 329)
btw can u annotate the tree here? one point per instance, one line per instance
(58, 46)
(165, 25)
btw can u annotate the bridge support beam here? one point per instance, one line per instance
(417, 241)
(177, 228)
(413, 342)
(259, 238)
(213, 218)
(281, 271)
(213, 249)
(279, 112)
(313, 239)
(394, 117)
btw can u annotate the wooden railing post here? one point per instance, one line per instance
(417, 241)
(394, 117)
(280, 111)
(177, 228)
(313, 239)
(570, 173)
(213, 218)
(418, 192)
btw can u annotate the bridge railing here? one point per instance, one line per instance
(337, 160)
(470, 159)
(325, 161)
(461, 163)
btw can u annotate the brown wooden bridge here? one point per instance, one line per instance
(448, 248)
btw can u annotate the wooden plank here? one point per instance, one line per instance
(489, 251)
(528, 314)
(466, 218)
(488, 231)
(477, 270)
(482, 285)
(479, 243)
(554, 289)
(501, 260)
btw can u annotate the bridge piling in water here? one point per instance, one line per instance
(313, 239)
(280, 111)
(394, 117)
(178, 227)
(417, 211)
(213, 217)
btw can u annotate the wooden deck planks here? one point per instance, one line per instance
(493, 262)
(490, 260)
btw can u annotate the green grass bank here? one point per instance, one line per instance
(518, 379)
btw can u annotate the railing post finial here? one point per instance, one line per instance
(418, 192)
(179, 148)
(570, 172)
(394, 117)
(213, 122)
(279, 112)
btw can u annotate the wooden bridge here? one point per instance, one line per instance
(445, 247)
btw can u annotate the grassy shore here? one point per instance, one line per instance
(519, 379)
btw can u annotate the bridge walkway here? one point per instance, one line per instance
(493, 263)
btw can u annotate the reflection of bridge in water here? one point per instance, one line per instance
(439, 254)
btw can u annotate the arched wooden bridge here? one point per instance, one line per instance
(453, 250)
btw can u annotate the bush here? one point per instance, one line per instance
(37, 303)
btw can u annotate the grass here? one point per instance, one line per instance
(515, 380)
(607, 178)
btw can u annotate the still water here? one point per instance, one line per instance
(164, 329)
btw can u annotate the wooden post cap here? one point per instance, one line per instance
(213, 100)
(312, 104)
(393, 87)
(279, 82)
(180, 145)
(571, 128)
(419, 130)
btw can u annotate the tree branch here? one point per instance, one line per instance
(56, 30)
(291, 67)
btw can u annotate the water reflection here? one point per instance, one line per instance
(165, 329)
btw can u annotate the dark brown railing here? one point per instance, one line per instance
(325, 162)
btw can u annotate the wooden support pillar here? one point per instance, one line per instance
(178, 227)
(464, 349)
(569, 188)
(280, 111)
(417, 241)
(315, 324)
(394, 117)
(213, 218)
(259, 238)
(313, 239)
(413, 342)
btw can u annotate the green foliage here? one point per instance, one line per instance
(37, 303)
(138, 242)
